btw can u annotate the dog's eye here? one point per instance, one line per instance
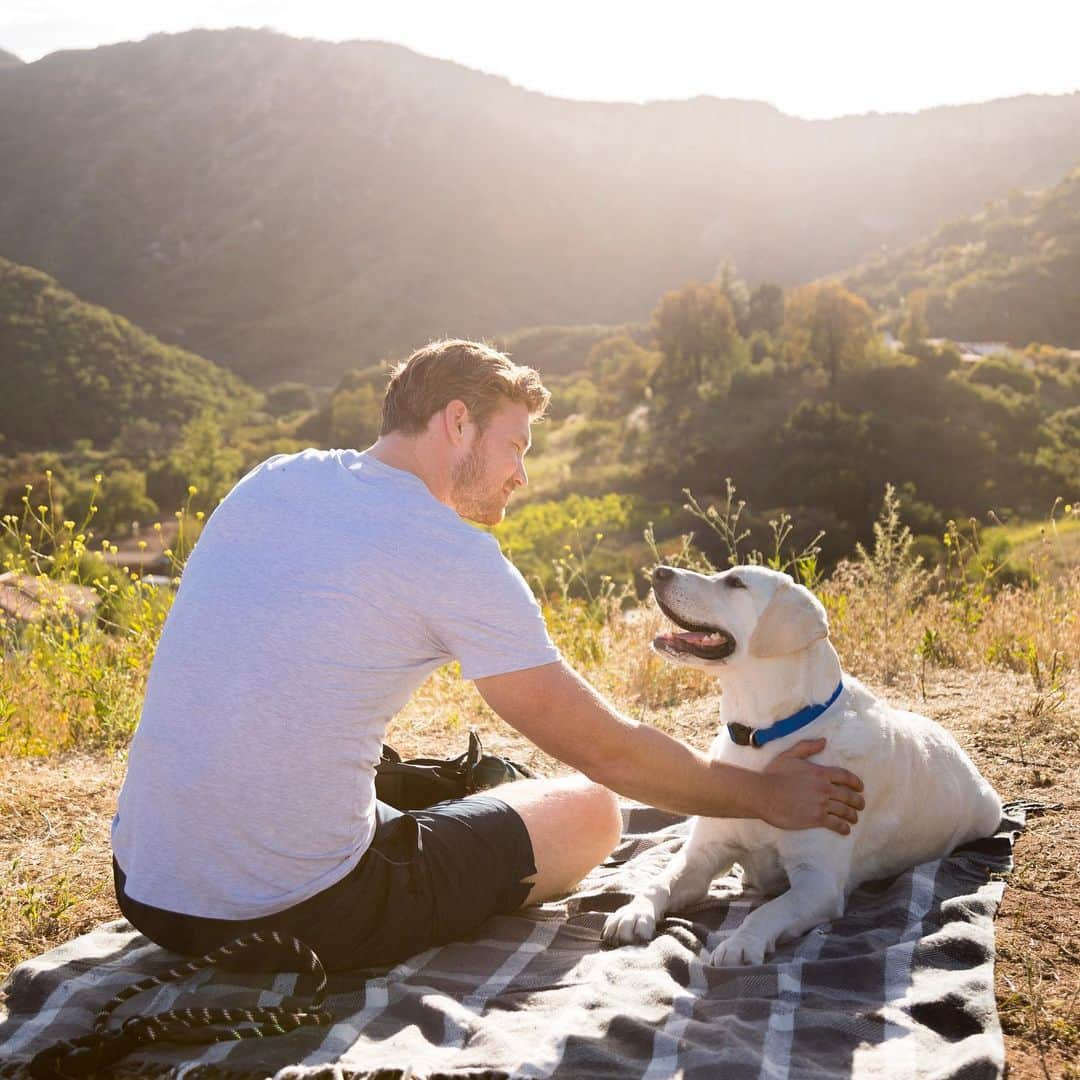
(733, 582)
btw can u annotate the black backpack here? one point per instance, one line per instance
(421, 782)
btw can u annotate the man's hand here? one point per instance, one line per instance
(802, 795)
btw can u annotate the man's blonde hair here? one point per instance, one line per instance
(468, 371)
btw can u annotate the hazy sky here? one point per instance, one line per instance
(811, 58)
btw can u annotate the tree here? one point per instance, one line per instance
(827, 325)
(695, 331)
(914, 329)
(123, 500)
(284, 398)
(766, 309)
(355, 416)
(825, 456)
(734, 288)
(620, 370)
(1060, 454)
(205, 460)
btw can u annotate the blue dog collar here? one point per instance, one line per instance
(748, 736)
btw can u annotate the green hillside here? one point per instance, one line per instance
(558, 350)
(1050, 548)
(1010, 273)
(296, 209)
(72, 370)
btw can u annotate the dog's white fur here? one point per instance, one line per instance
(923, 795)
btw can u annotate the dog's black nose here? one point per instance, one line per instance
(662, 573)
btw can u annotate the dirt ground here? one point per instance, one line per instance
(56, 879)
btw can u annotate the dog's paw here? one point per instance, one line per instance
(739, 950)
(633, 922)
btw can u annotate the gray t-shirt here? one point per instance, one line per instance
(323, 591)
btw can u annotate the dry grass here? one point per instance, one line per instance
(999, 672)
(55, 876)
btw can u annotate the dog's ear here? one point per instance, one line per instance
(793, 620)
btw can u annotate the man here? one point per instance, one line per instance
(324, 589)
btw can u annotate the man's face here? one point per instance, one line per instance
(485, 478)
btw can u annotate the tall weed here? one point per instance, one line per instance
(71, 680)
(725, 522)
(873, 597)
(73, 664)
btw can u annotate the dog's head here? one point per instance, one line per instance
(745, 612)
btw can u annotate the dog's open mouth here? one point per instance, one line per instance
(704, 642)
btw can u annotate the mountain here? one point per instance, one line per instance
(1010, 273)
(8, 59)
(75, 371)
(293, 209)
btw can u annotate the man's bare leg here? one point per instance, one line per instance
(573, 824)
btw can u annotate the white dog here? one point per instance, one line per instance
(766, 639)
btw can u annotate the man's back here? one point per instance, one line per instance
(324, 589)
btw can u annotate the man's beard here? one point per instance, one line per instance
(471, 493)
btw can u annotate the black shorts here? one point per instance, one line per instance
(429, 877)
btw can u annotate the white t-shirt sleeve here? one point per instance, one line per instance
(486, 617)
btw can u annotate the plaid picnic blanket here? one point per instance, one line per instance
(900, 986)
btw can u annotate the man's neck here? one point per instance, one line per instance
(408, 453)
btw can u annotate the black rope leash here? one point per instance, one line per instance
(105, 1045)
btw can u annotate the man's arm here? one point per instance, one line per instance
(556, 709)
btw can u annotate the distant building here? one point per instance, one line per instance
(26, 599)
(971, 352)
(974, 351)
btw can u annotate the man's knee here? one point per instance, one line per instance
(604, 812)
(596, 813)
(570, 810)
(573, 825)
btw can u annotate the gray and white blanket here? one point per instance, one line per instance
(901, 986)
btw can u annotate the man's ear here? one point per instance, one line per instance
(793, 620)
(456, 417)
